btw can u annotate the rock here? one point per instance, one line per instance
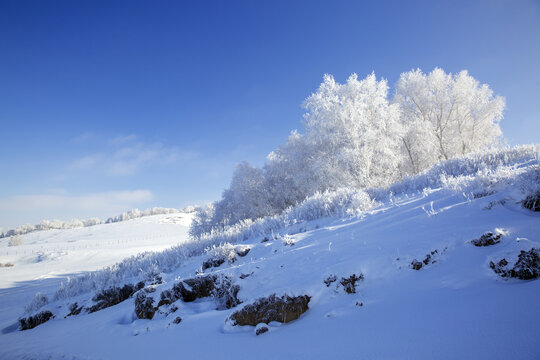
(487, 239)
(416, 265)
(349, 284)
(144, 306)
(220, 287)
(264, 310)
(33, 321)
(261, 329)
(214, 262)
(225, 293)
(113, 296)
(532, 202)
(243, 276)
(528, 265)
(242, 252)
(74, 309)
(499, 268)
(177, 320)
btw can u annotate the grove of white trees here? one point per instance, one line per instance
(356, 135)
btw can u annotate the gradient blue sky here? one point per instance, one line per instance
(110, 105)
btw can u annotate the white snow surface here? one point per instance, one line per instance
(453, 308)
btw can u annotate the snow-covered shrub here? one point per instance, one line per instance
(15, 240)
(226, 251)
(481, 171)
(37, 302)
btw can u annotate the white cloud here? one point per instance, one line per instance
(83, 138)
(122, 139)
(127, 156)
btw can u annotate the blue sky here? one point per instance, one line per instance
(110, 105)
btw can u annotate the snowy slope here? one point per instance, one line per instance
(455, 307)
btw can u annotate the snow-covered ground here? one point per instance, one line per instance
(57, 253)
(453, 307)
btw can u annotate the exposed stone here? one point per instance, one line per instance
(33, 321)
(487, 239)
(74, 309)
(144, 306)
(261, 329)
(416, 265)
(219, 287)
(212, 263)
(242, 252)
(177, 320)
(500, 267)
(113, 296)
(527, 266)
(532, 202)
(264, 310)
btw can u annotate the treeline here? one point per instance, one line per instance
(73, 224)
(357, 136)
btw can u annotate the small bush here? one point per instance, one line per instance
(15, 240)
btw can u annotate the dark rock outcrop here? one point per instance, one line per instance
(527, 266)
(265, 310)
(487, 239)
(35, 320)
(212, 263)
(113, 296)
(532, 202)
(261, 330)
(74, 309)
(144, 306)
(416, 265)
(242, 252)
(220, 287)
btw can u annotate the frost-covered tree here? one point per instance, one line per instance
(354, 133)
(355, 138)
(246, 198)
(445, 116)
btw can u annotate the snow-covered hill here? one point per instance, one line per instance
(421, 288)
